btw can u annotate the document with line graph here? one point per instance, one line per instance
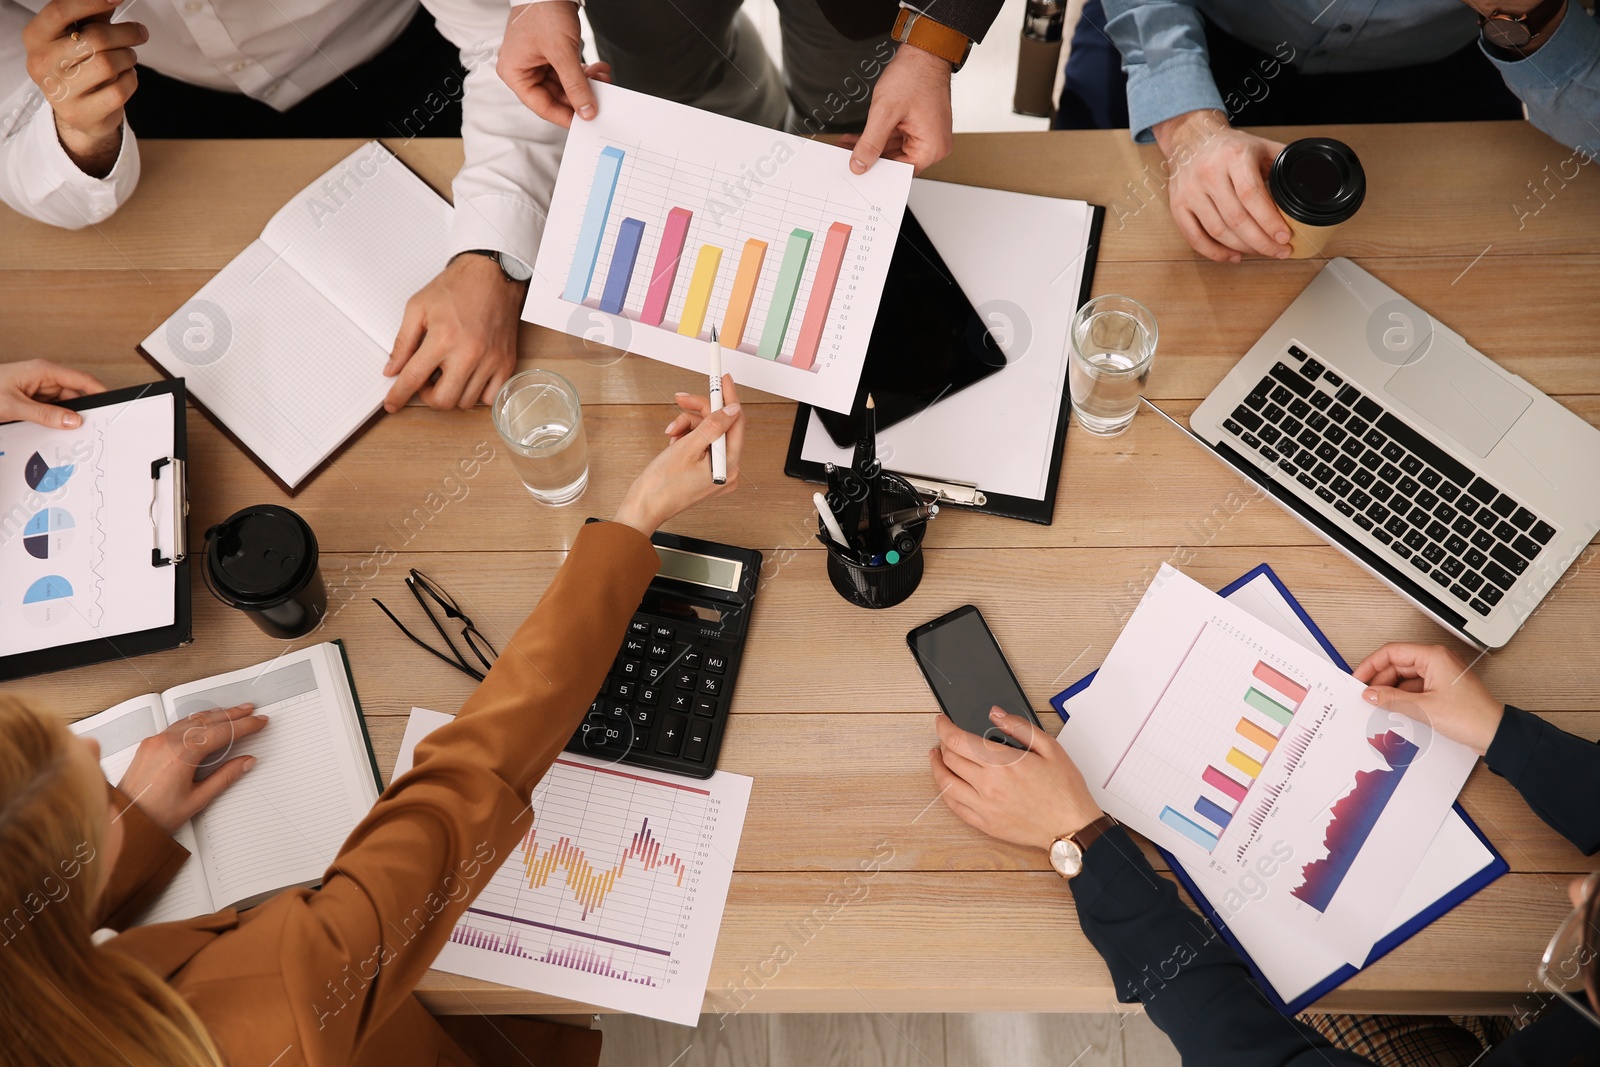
(1257, 764)
(668, 221)
(614, 895)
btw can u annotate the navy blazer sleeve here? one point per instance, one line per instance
(1193, 984)
(1557, 773)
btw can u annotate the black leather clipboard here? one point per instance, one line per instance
(180, 632)
(973, 498)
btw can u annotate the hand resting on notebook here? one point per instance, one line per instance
(462, 325)
(161, 780)
(29, 387)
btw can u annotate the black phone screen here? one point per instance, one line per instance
(967, 672)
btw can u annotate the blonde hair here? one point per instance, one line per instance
(67, 1001)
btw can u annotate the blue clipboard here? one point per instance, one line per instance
(1387, 944)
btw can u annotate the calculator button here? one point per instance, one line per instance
(649, 695)
(633, 646)
(643, 716)
(684, 679)
(706, 706)
(699, 738)
(691, 659)
(639, 626)
(710, 686)
(669, 742)
(653, 672)
(594, 708)
(681, 701)
(716, 664)
(663, 633)
(616, 712)
(660, 649)
(632, 669)
(624, 690)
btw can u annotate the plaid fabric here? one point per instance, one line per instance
(1414, 1040)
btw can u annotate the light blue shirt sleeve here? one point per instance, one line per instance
(1163, 46)
(1560, 83)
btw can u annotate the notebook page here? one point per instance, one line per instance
(119, 731)
(282, 823)
(367, 234)
(268, 355)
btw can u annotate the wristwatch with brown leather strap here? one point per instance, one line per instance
(1514, 36)
(1066, 851)
(920, 31)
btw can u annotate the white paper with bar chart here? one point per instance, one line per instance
(667, 221)
(1258, 765)
(614, 896)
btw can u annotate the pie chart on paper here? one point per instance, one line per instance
(44, 478)
(48, 533)
(48, 600)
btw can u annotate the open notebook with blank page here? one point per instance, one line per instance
(283, 823)
(284, 348)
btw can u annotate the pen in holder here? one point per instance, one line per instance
(886, 584)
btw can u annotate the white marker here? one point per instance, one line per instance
(835, 531)
(719, 447)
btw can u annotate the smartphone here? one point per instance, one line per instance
(967, 672)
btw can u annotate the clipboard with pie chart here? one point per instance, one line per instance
(93, 561)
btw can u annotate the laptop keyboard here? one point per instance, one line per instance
(1407, 494)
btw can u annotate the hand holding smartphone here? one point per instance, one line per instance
(967, 672)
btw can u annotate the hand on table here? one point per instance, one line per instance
(1429, 683)
(160, 780)
(909, 119)
(680, 476)
(463, 325)
(1028, 798)
(87, 80)
(541, 59)
(28, 386)
(1218, 192)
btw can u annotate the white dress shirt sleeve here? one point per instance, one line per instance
(511, 155)
(37, 177)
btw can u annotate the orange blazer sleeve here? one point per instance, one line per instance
(148, 862)
(437, 835)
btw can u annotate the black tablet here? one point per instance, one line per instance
(928, 342)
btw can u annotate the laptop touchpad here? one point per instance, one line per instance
(1460, 395)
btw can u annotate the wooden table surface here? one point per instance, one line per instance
(831, 717)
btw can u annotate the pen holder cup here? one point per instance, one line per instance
(887, 584)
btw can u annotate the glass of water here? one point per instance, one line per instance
(1113, 343)
(538, 417)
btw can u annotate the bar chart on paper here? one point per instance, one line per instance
(614, 895)
(1197, 763)
(673, 221)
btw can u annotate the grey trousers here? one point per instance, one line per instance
(707, 53)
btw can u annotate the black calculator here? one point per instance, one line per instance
(665, 703)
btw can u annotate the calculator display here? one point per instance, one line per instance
(711, 571)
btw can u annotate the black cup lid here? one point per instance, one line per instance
(260, 556)
(1318, 181)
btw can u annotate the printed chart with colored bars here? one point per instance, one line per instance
(1220, 749)
(614, 895)
(668, 222)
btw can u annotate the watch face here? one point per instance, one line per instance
(1506, 32)
(1066, 858)
(515, 269)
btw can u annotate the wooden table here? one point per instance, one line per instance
(832, 718)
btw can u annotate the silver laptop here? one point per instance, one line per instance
(1453, 481)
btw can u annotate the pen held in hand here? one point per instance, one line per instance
(719, 447)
